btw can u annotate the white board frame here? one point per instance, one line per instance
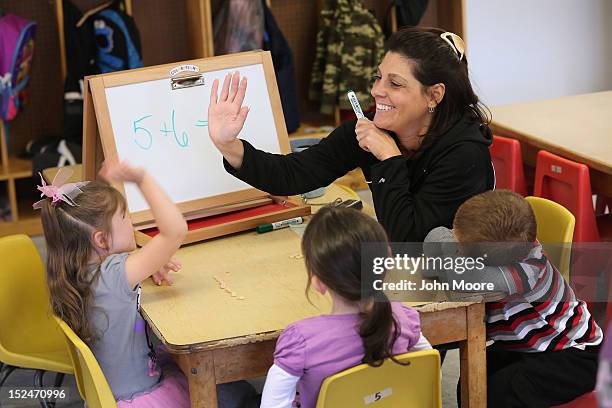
(97, 122)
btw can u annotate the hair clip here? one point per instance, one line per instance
(59, 190)
(455, 42)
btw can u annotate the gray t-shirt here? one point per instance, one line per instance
(121, 349)
(441, 242)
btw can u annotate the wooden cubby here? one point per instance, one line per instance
(164, 37)
(17, 184)
(170, 30)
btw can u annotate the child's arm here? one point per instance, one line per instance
(422, 344)
(440, 242)
(172, 226)
(279, 389)
(163, 274)
(288, 367)
(436, 244)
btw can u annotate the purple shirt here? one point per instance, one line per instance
(317, 347)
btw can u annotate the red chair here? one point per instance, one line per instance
(508, 164)
(588, 400)
(568, 183)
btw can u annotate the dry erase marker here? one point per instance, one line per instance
(278, 225)
(355, 104)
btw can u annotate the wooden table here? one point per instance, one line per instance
(576, 127)
(217, 338)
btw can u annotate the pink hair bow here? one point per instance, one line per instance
(59, 190)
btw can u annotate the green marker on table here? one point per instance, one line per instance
(278, 225)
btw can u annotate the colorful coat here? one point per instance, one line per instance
(350, 45)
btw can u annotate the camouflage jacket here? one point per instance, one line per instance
(350, 45)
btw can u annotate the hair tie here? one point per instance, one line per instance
(59, 190)
(455, 42)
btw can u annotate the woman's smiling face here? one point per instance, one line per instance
(401, 101)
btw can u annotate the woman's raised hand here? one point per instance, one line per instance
(226, 115)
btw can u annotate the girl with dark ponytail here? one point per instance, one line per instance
(363, 326)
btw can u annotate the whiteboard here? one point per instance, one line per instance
(166, 132)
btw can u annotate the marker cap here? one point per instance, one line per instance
(263, 228)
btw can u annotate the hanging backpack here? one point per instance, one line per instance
(16, 51)
(117, 39)
(100, 40)
(408, 12)
(81, 50)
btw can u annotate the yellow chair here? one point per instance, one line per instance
(555, 231)
(90, 380)
(391, 385)
(29, 337)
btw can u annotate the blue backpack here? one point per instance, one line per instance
(118, 41)
(16, 51)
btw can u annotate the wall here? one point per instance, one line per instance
(525, 50)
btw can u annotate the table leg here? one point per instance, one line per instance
(473, 360)
(199, 369)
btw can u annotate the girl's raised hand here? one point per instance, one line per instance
(115, 172)
(226, 115)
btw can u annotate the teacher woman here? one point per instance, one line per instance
(424, 152)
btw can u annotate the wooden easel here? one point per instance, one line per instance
(248, 208)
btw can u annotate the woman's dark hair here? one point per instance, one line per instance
(436, 61)
(332, 247)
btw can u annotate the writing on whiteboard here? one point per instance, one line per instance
(143, 137)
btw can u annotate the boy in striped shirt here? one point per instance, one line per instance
(545, 341)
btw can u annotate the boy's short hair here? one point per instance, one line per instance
(501, 220)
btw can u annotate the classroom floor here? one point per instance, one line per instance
(24, 378)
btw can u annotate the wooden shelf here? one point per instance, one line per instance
(17, 169)
(21, 195)
(28, 219)
(24, 207)
(311, 130)
(30, 225)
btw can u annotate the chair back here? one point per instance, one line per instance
(508, 164)
(588, 400)
(567, 183)
(555, 231)
(28, 332)
(92, 384)
(414, 384)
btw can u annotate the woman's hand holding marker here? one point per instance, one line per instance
(374, 140)
(370, 138)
